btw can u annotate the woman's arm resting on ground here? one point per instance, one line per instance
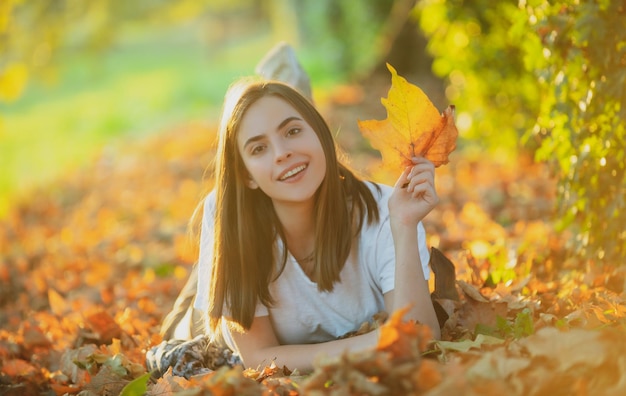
(414, 196)
(259, 346)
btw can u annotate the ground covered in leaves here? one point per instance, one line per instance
(91, 264)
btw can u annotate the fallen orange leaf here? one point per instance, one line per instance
(18, 368)
(428, 375)
(58, 304)
(403, 339)
(413, 127)
(61, 390)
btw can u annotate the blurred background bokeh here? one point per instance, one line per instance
(545, 80)
(77, 76)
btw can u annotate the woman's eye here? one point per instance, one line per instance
(293, 131)
(257, 149)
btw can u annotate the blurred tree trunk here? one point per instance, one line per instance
(284, 20)
(405, 49)
(403, 45)
(396, 30)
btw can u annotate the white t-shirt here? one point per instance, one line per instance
(301, 313)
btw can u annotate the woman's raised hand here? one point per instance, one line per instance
(414, 194)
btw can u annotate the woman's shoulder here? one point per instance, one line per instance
(207, 209)
(210, 197)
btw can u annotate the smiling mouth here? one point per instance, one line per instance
(293, 172)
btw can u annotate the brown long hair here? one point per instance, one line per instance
(246, 225)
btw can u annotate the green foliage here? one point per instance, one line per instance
(521, 326)
(550, 77)
(137, 387)
(502, 269)
(346, 36)
(582, 127)
(478, 46)
(34, 33)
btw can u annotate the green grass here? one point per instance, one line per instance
(127, 93)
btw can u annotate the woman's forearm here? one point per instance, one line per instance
(411, 288)
(302, 356)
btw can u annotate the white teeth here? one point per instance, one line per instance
(293, 172)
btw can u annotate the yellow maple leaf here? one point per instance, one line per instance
(414, 127)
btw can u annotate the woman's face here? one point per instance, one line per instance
(281, 151)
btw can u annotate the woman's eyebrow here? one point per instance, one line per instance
(279, 127)
(287, 121)
(252, 140)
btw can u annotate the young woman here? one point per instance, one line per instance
(296, 250)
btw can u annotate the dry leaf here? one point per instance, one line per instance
(471, 291)
(413, 127)
(105, 325)
(58, 304)
(474, 313)
(427, 376)
(18, 368)
(466, 345)
(168, 384)
(403, 339)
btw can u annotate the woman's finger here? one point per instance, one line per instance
(403, 179)
(425, 191)
(420, 178)
(422, 168)
(422, 160)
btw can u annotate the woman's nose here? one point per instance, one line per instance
(283, 152)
